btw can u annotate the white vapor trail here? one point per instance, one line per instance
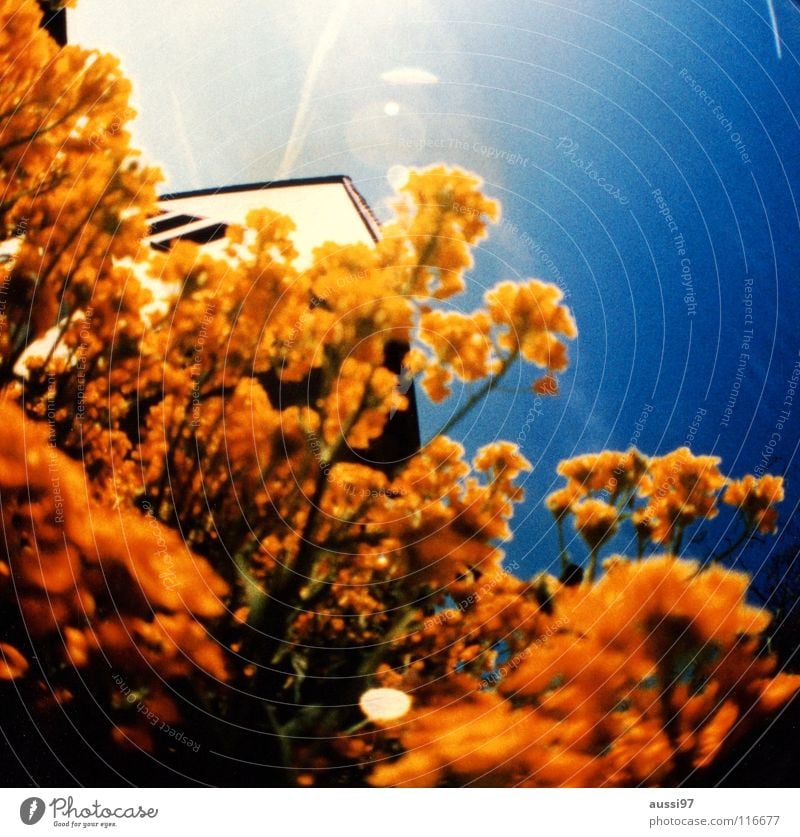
(773, 19)
(183, 139)
(326, 40)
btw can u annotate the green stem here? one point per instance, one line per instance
(401, 623)
(478, 395)
(641, 540)
(562, 546)
(678, 541)
(743, 538)
(591, 568)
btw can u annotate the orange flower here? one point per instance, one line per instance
(436, 382)
(596, 521)
(459, 340)
(12, 663)
(562, 501)
(641, 679)
(611, 471)
(755, 498)
(503, 460)
(200, 505)
(531, 316)
(681, 488)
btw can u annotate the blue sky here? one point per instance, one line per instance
(682, 108)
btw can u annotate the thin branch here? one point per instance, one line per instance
(478, 395)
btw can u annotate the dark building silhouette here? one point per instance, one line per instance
(54, 20)
(327, 208)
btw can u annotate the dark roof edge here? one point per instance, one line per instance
(251, 187)
(363, 209)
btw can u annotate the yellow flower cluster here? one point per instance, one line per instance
(61, 552)
(755, 497)
(531, 315)
(648, 676)
(596, 521)
(521, 319)
(441, 213)
(201, 509)
(660, 495)
(680, 488)
(614, 472)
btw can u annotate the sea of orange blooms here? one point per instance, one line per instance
(165, 518)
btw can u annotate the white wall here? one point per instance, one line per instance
(321, 212)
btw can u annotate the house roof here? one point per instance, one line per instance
(324, 209)
(327, 208)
